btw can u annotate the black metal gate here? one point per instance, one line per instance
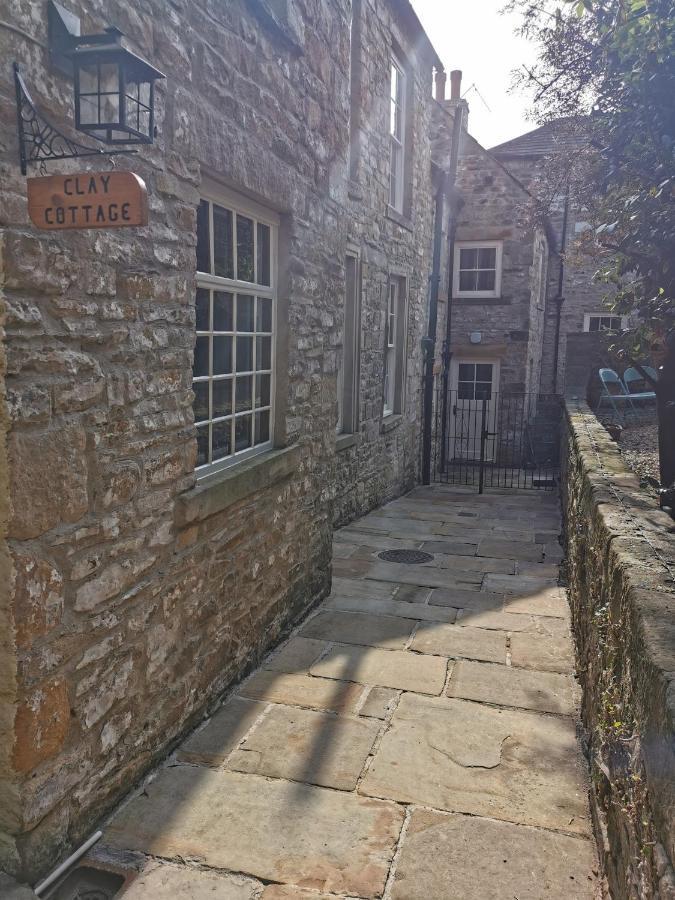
(486, 439)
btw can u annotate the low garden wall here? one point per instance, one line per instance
(621, 575)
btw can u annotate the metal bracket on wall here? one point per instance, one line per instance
(39, 140)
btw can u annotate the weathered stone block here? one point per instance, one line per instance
(55, 460)
(38, 597)
(42, 721)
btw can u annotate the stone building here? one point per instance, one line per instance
(189, 406)
(582, 308)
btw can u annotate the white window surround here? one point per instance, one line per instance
(613, 321)
(395, 343)
(397, 132)
(248, 395)
(497, 246)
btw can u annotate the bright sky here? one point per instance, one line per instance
(474, 36)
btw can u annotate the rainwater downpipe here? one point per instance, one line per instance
(559, 299)
(447, 184)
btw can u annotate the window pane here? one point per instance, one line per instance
(465, 390)
(222, 355)
(245, 312)
(222, 311)
(109, 75)
(486, 281)
(262, 427)
(264, 254)
(487, 258)
(484, 372)
(594, 324)
(223, 259)
(202, 445)
(264, 322)
(201, 401)
(203, 241)
(467, 371)
(244, 354)
(222, 439)
(468, 281)
(483, 391)
(468, 259)
(200, 365)
(263, 353)
(89, 79)
(242, 433)
(262, 390)
(202, 310)
(243, 390)
(89, 110)
(244, 248)
(393, 183)
(222, 398)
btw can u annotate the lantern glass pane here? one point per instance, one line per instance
(88, 79)
(144, 121)
(144, 93)
(110, 108)
(110, 80)
(89, 110)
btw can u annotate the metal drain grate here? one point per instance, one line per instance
(410, 557)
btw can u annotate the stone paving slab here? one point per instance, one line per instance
(308, 746)
(379, 702)
(480, 564)
(348, 587)
(491, 683)
(497, 547)
(275, 830)
(547, 601)
(462, 598)
(167, 882)
(496, 620)
(417, 611)
(451, 548)
(506, 764)
(296, 656)
(543, 652)
(423, 576)
(360, 628)
(386, 668)
(518, 584)
(212, 744)
(301, 690)
(464, 857)
(453, 641)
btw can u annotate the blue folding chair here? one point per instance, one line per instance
(636, 382)
(614, 391)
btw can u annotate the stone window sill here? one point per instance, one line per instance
(215, 493)
(399, 218)
(482, 301)
(344, 441)
(390, 422)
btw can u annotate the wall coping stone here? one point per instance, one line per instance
(390, 422)
(638, 575)
(344, 441)
(222, 489)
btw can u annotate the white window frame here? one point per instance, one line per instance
(478, 245)
(217, 194)
(348, 376)
(604, 315)
(394, 350)
(397, 170)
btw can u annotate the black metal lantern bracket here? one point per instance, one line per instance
(114, 94)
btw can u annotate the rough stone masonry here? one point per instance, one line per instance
(130, 595)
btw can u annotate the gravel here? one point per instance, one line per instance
(640, 447)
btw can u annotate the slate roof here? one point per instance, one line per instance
(540, 142)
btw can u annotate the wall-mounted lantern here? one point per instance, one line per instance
(114, 93)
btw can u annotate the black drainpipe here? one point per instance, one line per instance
(559, 299)
(447, 185)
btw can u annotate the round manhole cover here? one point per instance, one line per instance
(405, 556)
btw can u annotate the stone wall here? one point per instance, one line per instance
(139, 595)
(380, 460)
(621, 575)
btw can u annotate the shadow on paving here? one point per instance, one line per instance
(267, 786)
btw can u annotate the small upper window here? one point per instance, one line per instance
(397, 132)
(478, 269)
(604, 322)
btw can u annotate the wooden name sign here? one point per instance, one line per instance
(88, 200)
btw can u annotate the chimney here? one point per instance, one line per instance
(455, 84)
(441, 79)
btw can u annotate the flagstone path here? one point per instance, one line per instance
(414, 739)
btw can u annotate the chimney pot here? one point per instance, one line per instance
(441, 80)
(455, 84)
